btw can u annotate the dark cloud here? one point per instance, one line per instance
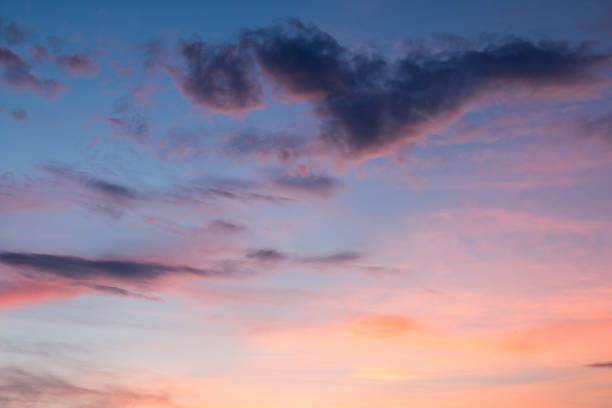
(115, 291)
(219, 77)
(335, 258)
(115, 198)
(81, 269)
(300, 58)
(110, 190)
(17, 74)
(367, 103)
(311, 184)
(35, 277)
(266, 255)
(604, 364)
(19, 115)
(78, 65)
(442, 45)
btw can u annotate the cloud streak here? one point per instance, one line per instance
(128, 120)
(284, 148)
(76, 268)
(603, 364)
(324, 186)
(38, 277)
(336, 258)
(219, 77)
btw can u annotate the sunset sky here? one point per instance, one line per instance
(316, 204)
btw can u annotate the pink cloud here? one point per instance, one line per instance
(25, 293)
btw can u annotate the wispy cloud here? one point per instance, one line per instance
(336, 258)
(19, 388)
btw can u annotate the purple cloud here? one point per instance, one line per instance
(310, 184)
(17, 74)
(77, 65)
(219, 77)
(267, 255)
(335, 258)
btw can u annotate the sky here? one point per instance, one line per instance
(305, 204)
